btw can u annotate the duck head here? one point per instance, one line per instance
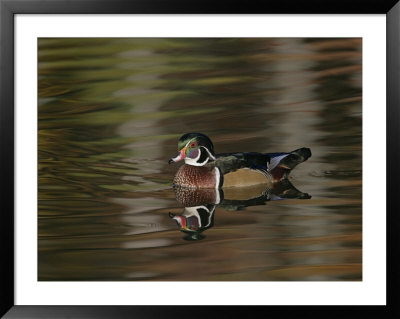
(195, 148)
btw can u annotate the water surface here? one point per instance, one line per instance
(110, 115)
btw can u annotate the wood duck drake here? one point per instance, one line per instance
(205, 169)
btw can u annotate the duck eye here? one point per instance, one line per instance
(193, 145)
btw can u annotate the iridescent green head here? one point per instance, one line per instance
(195, 148)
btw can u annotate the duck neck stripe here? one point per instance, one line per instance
(209, 153)
(203, 158)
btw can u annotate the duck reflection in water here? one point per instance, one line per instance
(194, 220)
(232, 180)
(200, 203)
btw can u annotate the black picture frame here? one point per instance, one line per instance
(8, 10)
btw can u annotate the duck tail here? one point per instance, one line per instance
(286, 163)
(296, 157)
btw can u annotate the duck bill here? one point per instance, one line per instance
(180, 156)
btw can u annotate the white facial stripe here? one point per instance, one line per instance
(189, 142)
(210, 216)
(209, 154)
(193, 161)
(192, 211)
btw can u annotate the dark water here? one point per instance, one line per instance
(110, 114)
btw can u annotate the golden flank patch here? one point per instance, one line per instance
(245, 177)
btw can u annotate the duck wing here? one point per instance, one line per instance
(230, 162)
(265, 162)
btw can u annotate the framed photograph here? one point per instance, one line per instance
(160, 158)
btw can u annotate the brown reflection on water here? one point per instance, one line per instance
(110, 114)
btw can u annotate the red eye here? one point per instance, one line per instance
(193, 145)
